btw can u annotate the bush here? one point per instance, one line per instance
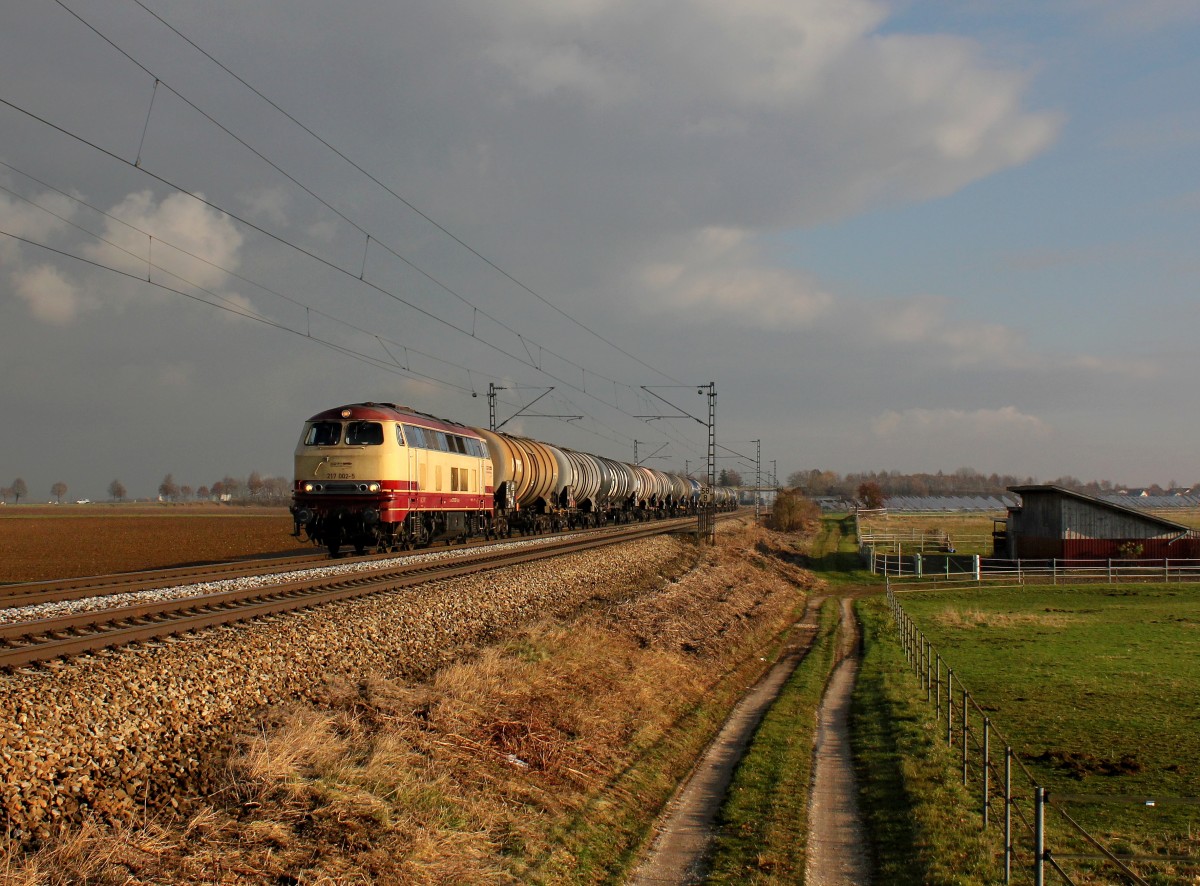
(792, 512)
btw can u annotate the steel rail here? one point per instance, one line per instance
(46, 639)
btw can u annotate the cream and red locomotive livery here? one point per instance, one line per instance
(377, 475)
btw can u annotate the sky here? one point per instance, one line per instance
(906, 236)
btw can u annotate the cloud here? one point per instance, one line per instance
(941, 423)
(188, 242)
(37, 219)
(268, 204)
(718, 274)
(50, 296)
(750, 114)
(928, 323)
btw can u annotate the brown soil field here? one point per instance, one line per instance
(39, 542)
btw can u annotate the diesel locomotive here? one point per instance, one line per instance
(387, 478)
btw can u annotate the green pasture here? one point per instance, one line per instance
(1095, 688)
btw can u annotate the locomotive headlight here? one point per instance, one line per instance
(309, 487)
(373, 487)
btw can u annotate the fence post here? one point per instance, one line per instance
(950, 706)
(1039, 836)
(987, 767)
(1008, 846)
(975, 564)
(918, 566)
(928, 674)
(1166, 569)
(937, 693)
(1053, 570)
(1110, 570)
(966, 711)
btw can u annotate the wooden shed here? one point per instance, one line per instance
(1055, 522)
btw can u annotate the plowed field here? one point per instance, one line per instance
(45, 542)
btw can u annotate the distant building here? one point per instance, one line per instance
(1055, 522)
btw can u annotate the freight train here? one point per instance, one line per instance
(385, 477)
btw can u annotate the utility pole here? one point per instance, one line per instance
(757, 476)
(706, 526)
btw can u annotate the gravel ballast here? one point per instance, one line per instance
(139, 728)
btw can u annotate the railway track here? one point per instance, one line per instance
(29, 642)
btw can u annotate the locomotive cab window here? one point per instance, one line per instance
(323, 433)
(364, 433)
(416, 437)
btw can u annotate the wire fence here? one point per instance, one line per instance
(1038, 831)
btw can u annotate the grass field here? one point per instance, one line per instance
(968, 533)
(1096, 690)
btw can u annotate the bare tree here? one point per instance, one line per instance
(116, 490)
(871, 495)
(5, 493)
(168, 489)
(254, 484)
(58, 490)
(18, 489)
(185, 492)
(729, 477)
(202, 493)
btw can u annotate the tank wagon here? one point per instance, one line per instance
(387, 477)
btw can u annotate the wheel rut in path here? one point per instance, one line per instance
(687, 827)
(836, 854)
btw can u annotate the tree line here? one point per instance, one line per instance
(255, 489)
(964, 481)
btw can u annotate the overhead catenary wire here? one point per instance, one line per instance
(393, 193)
(528, 361)
(239, 309)
(367, 235)
(530, 347)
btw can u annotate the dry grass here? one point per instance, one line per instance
(543, 758)
(953, 617)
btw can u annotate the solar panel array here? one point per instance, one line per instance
(943, 503)
(1154, 502)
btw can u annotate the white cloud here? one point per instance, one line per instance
(942, 423)
(718, 274)
(165, 233)
(51, 297)
(37, 222)
(927, 323)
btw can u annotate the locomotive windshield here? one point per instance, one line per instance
(323, 433)
(364, 433)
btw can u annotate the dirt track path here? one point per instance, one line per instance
(835, 835)
(677, 855)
